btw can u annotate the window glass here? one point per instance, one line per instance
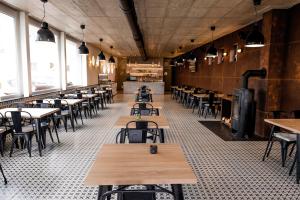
(9, 83)
(44, 58)
(74, 66)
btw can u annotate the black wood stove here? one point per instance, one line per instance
(244, 106)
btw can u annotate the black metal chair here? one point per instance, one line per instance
(63, 114)
(137, 132)
(4, 130)
(210, 106)
(143, 109)
(146, 192)
(45, 122)
(284, 138)
(21, 130)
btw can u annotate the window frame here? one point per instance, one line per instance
(34, 22)
(6, 10)
(70, 38)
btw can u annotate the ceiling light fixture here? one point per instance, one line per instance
(44, 34)
(255, 38)
(212, 52)
(111, 59)
(83, 50)
(101, 55)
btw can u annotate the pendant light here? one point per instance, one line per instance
(44, 34)
(101, 55)
(83, 50)
(255, 38)
(212, 52)
(111, 59)
(179, 61)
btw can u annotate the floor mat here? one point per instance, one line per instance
(224, 132)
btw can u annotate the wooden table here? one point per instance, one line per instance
(155, 105)
(37, 114)
(292, 125)
(132, 164)
(161, 121)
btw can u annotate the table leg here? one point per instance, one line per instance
(122, 136)
(178, 193)
(298, 159)
(38, 132)
(102, 189)
(72, 117)
(161, 136)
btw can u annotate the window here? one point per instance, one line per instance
(44, 58)
(74, 66)
(9, 84)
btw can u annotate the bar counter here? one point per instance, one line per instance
(130, 87)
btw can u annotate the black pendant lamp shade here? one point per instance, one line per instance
(255, 38)
(212, 52)
(44, 34)
(101, 55)
(111, 59)
(179, 60)
(191, 56)
(83, 50)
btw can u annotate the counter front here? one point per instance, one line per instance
(130, 87)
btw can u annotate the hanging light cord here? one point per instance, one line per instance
(44, 12)
(82, 35)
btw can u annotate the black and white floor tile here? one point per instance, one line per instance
(225, 169)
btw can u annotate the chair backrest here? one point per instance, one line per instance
(42, 105)
(17, 119)
(211, 98)
(20, 105)
(79, 95)
(296, 114)
(144, 109)
(3, 121)
(276, 114)
(39, 101)
(138, 134)
(61, 96)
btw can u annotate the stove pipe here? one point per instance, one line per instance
(252, 73)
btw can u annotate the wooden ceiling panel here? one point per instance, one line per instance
(165, 24)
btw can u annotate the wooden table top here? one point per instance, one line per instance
(188, 91)
(132, 164)
(96, 91)
(206, 95)
(156, 105)
(292, 125)
(36, 113)
(88, 96)
(161, 121)
(65, 101)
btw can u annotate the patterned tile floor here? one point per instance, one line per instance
(225, 170)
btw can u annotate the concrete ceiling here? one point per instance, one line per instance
(166, 24)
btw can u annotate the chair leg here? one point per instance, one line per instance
(65, 120)
(293, 165)
(2, 172)
(80, 115)
(269, 145)
(14, 139)
(50, 133)
(1, 145)
(283, 152)
(293, 147)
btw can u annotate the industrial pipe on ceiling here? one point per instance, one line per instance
(127, 6)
